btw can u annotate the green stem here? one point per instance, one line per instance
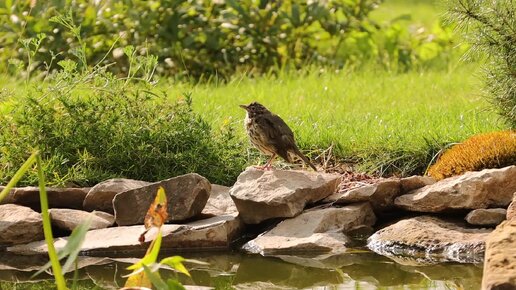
(18, 175)
(47, 230)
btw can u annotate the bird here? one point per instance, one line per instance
(271, 135)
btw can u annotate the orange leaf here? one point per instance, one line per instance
(157, 213)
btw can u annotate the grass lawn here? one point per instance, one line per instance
(382, 119)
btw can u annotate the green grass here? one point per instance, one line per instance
(382, 119)
(386, 122)
(421, 12)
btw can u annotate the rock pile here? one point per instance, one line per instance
(298, 212)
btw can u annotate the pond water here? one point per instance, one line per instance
(358, 269)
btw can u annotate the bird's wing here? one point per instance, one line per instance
(278, 132)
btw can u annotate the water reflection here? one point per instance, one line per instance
(354, 270)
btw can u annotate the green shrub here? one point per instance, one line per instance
(207, 38)
(91, 126)
(491, 26)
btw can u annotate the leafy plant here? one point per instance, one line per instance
(92, 126)
(489, 150)
(215, 38)
(490, 26)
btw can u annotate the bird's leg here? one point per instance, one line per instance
(267, 165)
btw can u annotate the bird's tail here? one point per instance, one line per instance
(305, 159)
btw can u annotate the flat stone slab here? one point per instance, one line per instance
(381, 194)
(57, 197)
(430, 239)
(317, 230)
(472, 190)
(69, 219)
(260, 195)
(212, 233)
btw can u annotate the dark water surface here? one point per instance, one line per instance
(357, 269)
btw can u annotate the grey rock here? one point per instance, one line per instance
(220, 202)
(486, 217)
(431, 240)
(415, 182)
(381, 195)
(19, 224)
(260, 195)
(57, 197)
(69, 219)
(100, 197)
(187, 195)
(500, 261)
(472, 190)
(317, 230)
(209, 234)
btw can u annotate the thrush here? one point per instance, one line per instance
(271, 135)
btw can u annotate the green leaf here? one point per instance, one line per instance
(155, 278)
(176, 263)
(174, 285)
(151, 256)
(19, 174)
(296, 20)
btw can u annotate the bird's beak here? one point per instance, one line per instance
(243, 107)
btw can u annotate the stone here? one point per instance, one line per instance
(381, 194)
(57, 197)
(430, 239)
(186, 194)
(220, 202)
(260, 195)
(486, 217)
(315, 230)
(100, 197)
(415, 182)
(68, 219)
(208, 234)
(511, 210)
(472, 190)
(500, 261)
(19, 224)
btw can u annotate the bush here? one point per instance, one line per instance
(490, 150)
(92, 126)
(491, 26)
(207, 38)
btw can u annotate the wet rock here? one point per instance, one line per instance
(511, 210)
(430, 239)
(68, 219)
(220, 202)
(260, 195)
(472, 190)
(415, 182)
(500, 262)
(212, 233)
(57, 197)
(317, 230)
(100, 197)
(486, 217)
(19, 224)
(381, 194)
(187, 195)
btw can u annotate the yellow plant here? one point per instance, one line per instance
(489, 150)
